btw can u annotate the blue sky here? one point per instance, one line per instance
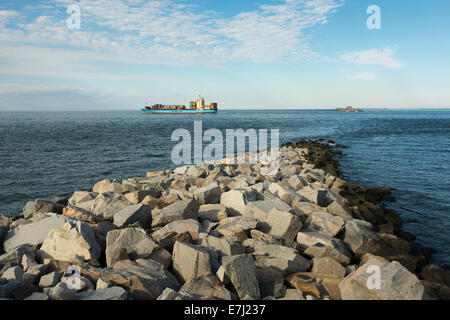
(241, 54)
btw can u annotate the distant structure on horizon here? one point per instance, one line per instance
(197, 106)
(349, 109)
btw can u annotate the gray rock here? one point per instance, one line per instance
(72, 242)
(62, 292)
(107, 186)
(208, 226)
(180, 170)
(182, 230)
(328, 265)
(308, 238)
(149, 278)
(232, 225)
(81, 196)
(209, 194)
(113, 293)
(285, 193)
(271, 281)
(50, 280)
(15, 256)
(170, 294)
(325, 223)
(319, 250)
(37, 296)
(271, 239)
(185, 209)
(235, 200)
(41, 206)
(285, 259)
(282, 224)
(137, 215)
(213, 212)
(34, 272)
(240, 269)
(260, 209)
(319, 196)
(13, 274)
(190, 261)
(396, 283)
(195, 172)
(226, 246)
(206, 287)
(32, 233)
(133, 243)
(294, 294)
(106, 204)
(360, 240)
(339, 209)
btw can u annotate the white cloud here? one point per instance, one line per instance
(375, 57)
(169, 32)
(362, 76)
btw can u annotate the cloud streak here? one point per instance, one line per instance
(170, 32)
(375, 57)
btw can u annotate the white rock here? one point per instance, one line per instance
(72, 242)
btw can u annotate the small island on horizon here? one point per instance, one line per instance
(349, 109)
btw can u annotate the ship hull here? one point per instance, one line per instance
(186, 111)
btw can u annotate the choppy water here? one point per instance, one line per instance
(43, 155)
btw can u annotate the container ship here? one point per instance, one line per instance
(195, 107)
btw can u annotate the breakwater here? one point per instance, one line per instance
(219, 232)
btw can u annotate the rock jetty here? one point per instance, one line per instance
(218, 231)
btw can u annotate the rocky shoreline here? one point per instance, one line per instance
(218, 231)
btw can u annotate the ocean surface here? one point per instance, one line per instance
(49, 154)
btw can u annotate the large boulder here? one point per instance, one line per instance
(137, 215)
(260, 209)
(76, 213)
(206, 287)
(107, 186)
(319, 196)
(106, 204)
(282, 224)
(270, 281)
(241, 271)
(72, 242)
(81, 196)
(144, 279)
(325, 223)
(328, 265)
(361, 240)
(233, 226)
(133, 243)
(33, 233)
(209, 194)
(213, 212)
(226, 246)
(285, 259)
(285, 194)
(235, 200)
(180, 210)
(41, 206)
(190, 261)
(318, 245)
(16, 255)
(182, 230)
(113, 293)
(395, 282)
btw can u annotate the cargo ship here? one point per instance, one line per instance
(195, 107)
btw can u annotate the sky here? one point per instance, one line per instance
(242, 54)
